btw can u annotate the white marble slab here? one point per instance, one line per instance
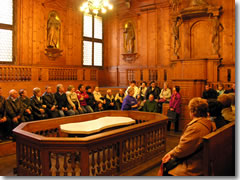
(96, 125)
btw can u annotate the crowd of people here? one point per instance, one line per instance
(18, 107)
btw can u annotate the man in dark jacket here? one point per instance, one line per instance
(209, 93)
(62, 103)
(154, 90)
(14, 109)
(91, 100)
(110, 101)
(150, 105)
(51, 103)
(37, 105)
(26, 102)
(4, 124)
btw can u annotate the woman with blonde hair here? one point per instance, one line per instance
(188, 154)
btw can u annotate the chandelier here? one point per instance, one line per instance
(95, 6)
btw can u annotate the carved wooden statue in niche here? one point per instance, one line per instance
(129, 38)
(177, 43)
(217, 28)
(198, 3)
(53, 30)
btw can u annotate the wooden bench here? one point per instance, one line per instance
(219, 152)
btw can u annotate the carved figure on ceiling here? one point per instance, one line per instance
(198, 3)
(175, 29)
(53, 30)
(129, 37)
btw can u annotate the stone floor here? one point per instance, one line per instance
(8, 163)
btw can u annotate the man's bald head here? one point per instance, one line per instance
(13, 93)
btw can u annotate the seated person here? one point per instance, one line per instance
(97, 95)
(38, 108)
(73, 100)
(189, 148)
(129, 102)
(150, 105)
(165, 96)
(232, 90)
(232, 96)
(110, 101)
(14, 109)
(227, 111)
(215, 113)
(26, 102)
(119, 99)
(220, 89)
(51, 103)
(209, 93)
(133, 85)
(141, 94)
(99, 107)
(154, 90)
(175, 105)
(82, 97)
(63, 106)
(5, 126)
(91, 100)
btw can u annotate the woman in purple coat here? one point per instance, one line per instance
(174, 105)
(129, 102)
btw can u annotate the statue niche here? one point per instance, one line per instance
(53, 35)
(129, 42)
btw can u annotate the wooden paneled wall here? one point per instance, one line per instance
(196, 64)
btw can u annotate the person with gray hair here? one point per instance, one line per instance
(14, 110)
(38, 107)
(63, 106)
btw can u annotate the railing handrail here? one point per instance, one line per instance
(82, 140)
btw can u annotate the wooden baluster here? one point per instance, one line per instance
(132, 148)
(30, 159)
(109, 157)
(73, 165)
(50, 164)
(128, 150)
(27, 158)
(23, 156)
(39, 162)
(124, 150)
(35, 161)
(93, 164)
(98, 162)
(136, 148)
(57, 166)
(104, 160)
(113, 156)
(65, 165)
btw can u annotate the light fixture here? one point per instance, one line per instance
(95, 6)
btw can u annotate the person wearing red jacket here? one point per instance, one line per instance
(82, 97)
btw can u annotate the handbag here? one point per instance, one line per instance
(172, 115)
(165, 167)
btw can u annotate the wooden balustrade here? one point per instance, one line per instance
(32, 73)
(43, 150)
